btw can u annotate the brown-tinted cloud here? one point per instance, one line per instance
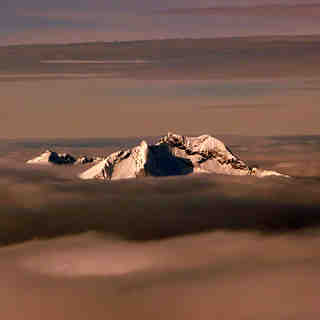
(195, 277)
(96, 21)
(311, 10)
(37, 204)
(236, 106)
(173, 248)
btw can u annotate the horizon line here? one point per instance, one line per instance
(89, 42)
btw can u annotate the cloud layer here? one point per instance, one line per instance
(72, 21)
(40, 204)
(176, 248)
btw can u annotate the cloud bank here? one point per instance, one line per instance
(72, 21)
(38, 203)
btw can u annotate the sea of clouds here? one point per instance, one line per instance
(187, 247)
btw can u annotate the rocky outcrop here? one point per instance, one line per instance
(120, 165)
(85, 160)
(52, 157)
(173, 155)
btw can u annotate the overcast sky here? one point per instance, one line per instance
(98, 20)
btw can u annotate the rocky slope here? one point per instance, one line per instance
(173, 155)
(52, 157)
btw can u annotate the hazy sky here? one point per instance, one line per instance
(152, 108)
(91, 20)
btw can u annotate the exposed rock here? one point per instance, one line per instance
(120, 165)
(85, 160)
(52, 157)
(173, 155)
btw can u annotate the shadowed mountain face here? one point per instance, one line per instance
(161, 162)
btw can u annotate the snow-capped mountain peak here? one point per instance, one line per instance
(174, 154)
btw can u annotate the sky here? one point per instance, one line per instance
(43, 21)
(41, 105)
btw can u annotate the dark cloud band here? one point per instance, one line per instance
(39, 204)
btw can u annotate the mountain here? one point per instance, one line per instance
(85, 160)
(173, 155)
(52, 157)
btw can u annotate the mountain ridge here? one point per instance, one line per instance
(174, 154)
(52, 157)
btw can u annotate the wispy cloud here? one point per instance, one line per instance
(310, 10)
(76, 15)
(137, 19)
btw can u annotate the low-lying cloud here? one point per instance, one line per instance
(178, 248)
(39, 203)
